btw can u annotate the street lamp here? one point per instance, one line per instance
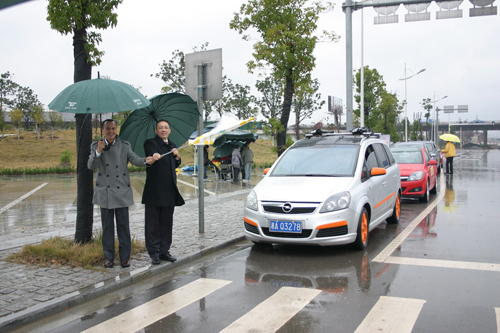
(436, 125)
(406, 100)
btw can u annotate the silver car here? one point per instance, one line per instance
(327, 189)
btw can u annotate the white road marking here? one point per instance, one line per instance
(444, 263)
(497, 311)
(158, 308)
(274, 312)
(389, 249)
(15, 202)
(196, 187)
(392, 314)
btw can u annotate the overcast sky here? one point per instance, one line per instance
(461, 56)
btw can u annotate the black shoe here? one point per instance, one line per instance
(167, 257)
(125, 263)
(108, 264)
(155, 261)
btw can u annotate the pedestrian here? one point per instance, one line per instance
(206, 161)
(161, 194)
(113, 192)
(450, 152)
(236, 163)
(247, 157)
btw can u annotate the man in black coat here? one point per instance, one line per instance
(161, 194)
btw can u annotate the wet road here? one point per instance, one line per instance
(437, 271)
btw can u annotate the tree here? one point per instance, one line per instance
(16, 116)
(240, 101)
(427, 105)
(55, 119)
(307, 101)
(286, 29)
(270, 104)
(26, 100)
(7, 88)
(374, 89)
(387, 115)
(77, 17)
(38, 117)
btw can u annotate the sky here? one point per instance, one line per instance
(460, 56)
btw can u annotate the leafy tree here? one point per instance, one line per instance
(270, 104)
(26, 100)
(387, 115)
(78, 17)
(427, 105)
(3, 125)
(374, 89)
(16, 116)
(55, 119)
(286, 29)
(38, 117)
(307, 101)
(240, 101)
(7, 88)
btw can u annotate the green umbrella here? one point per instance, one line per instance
(179, 110)
(235, 135)
(227, 148)
(98, 96)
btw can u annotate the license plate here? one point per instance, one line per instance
(286, 226)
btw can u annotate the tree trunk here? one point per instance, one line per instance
(285, 114)
(84, 206)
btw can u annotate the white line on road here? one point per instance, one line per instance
(15, 202)
(479, 266)
(274, 312)
(389, 249)
(392, 314)
(497, 311)
(196, 187)
(158, 308)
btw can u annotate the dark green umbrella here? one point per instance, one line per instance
(227, 148)
(179, 110)
(98, 96)
(235, 135)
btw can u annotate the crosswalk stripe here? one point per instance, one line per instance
(274, 312)
(479, 266)
(392, 314)
(158, 308)
(497, 311)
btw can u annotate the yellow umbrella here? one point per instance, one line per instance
(449, 137)
(225, 125)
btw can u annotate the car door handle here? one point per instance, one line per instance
(384, 183)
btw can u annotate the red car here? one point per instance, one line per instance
(418, 172)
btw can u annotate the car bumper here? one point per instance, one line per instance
(413, 189)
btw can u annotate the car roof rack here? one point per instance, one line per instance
(366, 132)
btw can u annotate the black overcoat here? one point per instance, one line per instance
(161, 180)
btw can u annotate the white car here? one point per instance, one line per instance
(326, 189)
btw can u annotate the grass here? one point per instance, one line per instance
(60, 251)
(30, 155)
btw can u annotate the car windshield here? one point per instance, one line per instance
(408, 156)
(318, 161)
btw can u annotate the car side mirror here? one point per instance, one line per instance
(432, 162)
(266, 170)
(378, 171)
(433, 155)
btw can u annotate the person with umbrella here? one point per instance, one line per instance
(161, 194)
(450, 152)
(247, 156)
(113, 192)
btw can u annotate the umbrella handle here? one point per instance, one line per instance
(170, 152)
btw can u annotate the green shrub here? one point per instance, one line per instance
(65, 158)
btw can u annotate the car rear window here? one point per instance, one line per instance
(408, 156)
(317, 161)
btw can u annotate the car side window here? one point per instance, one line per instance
(383, 160)
(370, 158)
(389, 155)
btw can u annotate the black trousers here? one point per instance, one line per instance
(122, 229)
(449, 164)
(158, 229)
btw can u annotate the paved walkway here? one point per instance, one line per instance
(28, 293)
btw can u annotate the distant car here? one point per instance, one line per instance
(327, 189)
(477, 121)
(418, 172)
(430, 146)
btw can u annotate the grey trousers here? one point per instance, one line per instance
(122, 229)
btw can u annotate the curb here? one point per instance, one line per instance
(39, 311)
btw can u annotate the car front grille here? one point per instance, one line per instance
(304, 234)
(251, 228)
(330, 232)
(289, 207)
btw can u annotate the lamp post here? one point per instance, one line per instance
(406, 100)
(436, 125)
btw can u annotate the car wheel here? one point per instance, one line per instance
(361, 241)
(396, 212)
(427, 195)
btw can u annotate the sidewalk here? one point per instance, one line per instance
(30, 293)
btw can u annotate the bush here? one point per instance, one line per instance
(65, 158)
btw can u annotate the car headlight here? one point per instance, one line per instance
(336, 202)
(252, 201)
(416, 176)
